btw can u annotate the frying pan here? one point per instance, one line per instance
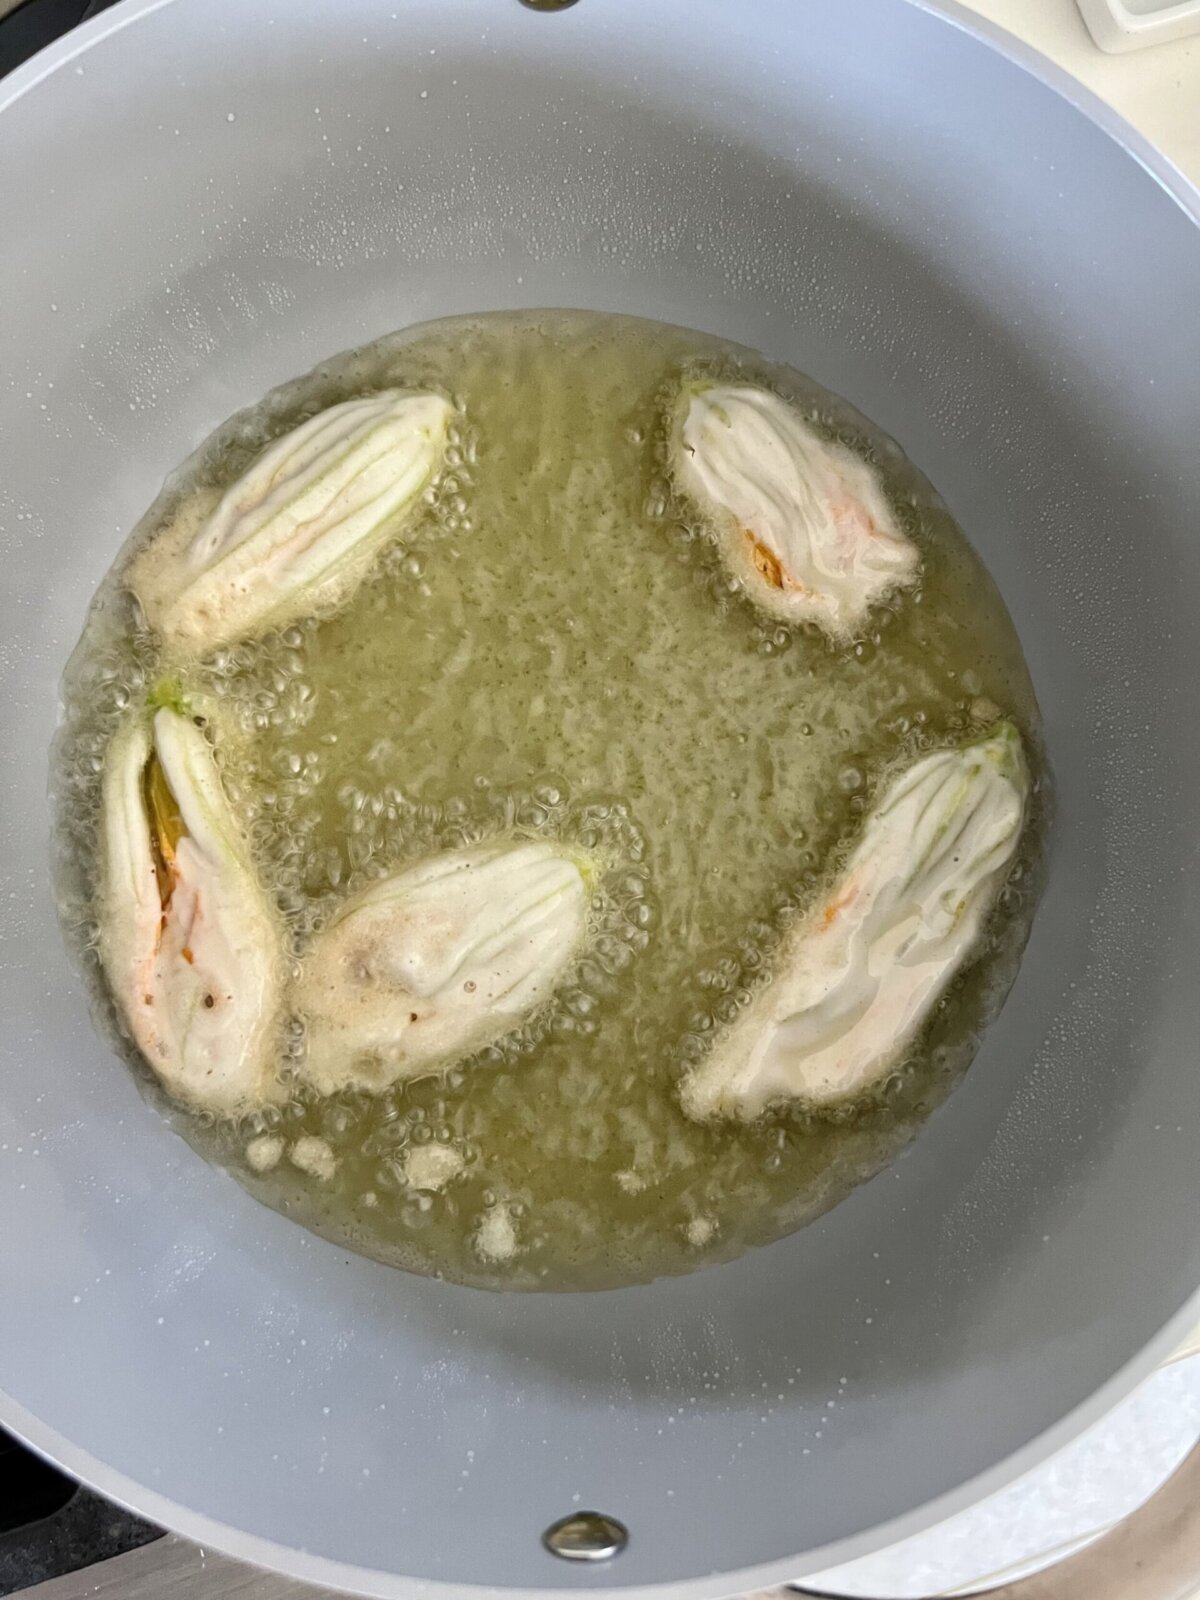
(199, 199)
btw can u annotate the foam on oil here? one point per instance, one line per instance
(553, 648)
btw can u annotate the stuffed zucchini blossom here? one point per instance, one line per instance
(857, 977)
(803, 523)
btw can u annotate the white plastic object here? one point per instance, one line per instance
(1119, 25)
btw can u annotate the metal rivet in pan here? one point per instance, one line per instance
(586, 1536)
(547, 5)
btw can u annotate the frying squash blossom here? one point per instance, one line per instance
(857, 977)
(299, 530)
(191, 944)
(803, 523)
(435, 962)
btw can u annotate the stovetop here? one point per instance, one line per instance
(36, 23)
(50, 1526)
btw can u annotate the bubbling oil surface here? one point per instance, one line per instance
(552, 648)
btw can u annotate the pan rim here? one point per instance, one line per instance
(376, 1584)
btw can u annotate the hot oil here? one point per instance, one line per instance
(552, 647)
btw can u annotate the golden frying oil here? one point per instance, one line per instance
(553, 647)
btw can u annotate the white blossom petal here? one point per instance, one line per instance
(439, 960)
(299, 530)
(190, 944)
(803, 523)
(854, 981)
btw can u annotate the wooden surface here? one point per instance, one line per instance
(173, 1569)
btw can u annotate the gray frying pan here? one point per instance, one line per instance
(200, 198)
